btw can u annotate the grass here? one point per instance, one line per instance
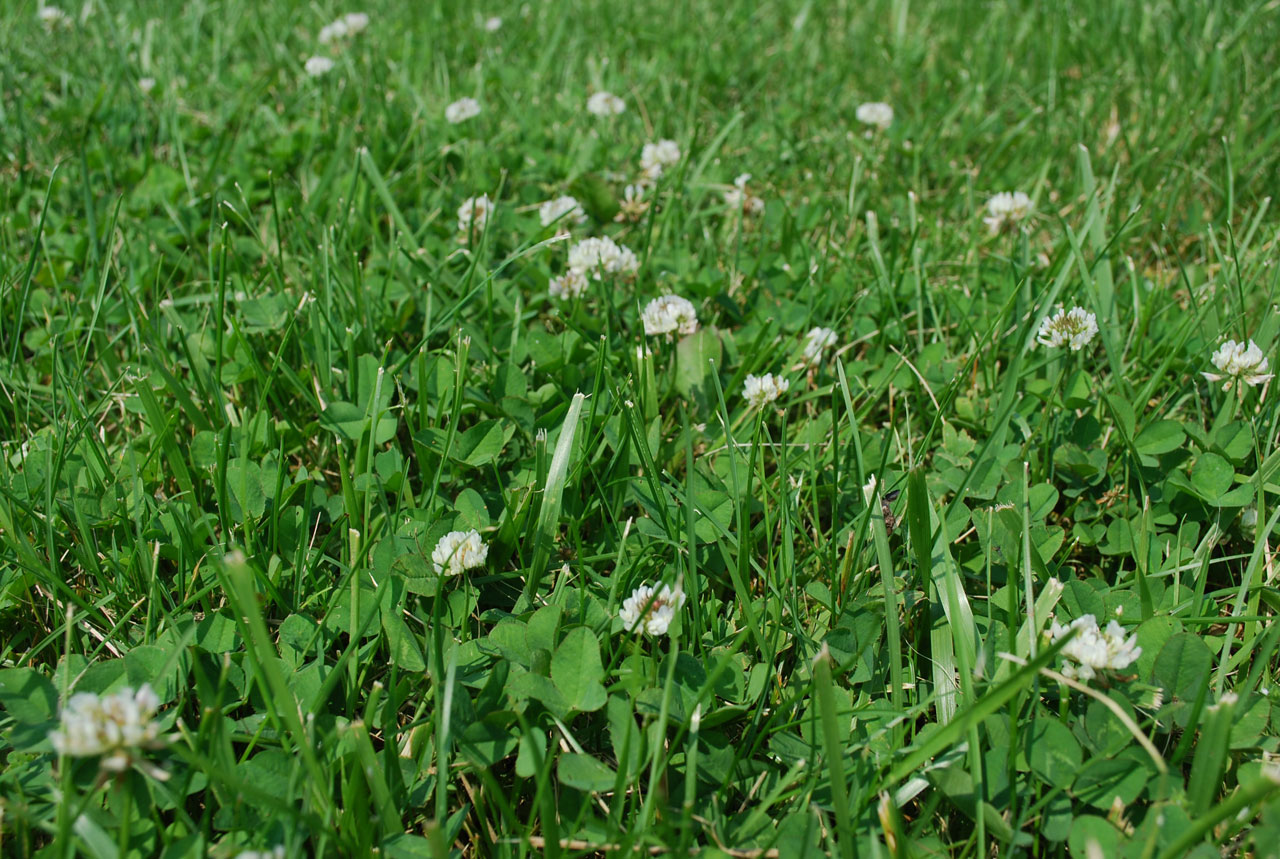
(251, 374)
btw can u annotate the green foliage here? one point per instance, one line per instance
(252, 374)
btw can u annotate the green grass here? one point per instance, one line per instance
(250, 375)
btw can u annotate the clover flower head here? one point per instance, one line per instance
(869, 489)
(875, 113)
(1240, 364)
(656, 157)
(492, 24)
(605, 103)
(1073, 328)
(602, 255)
(116, 727)
(317, 66)
(1005, 210)
(633, 205)
(146, 85)
(592, 259)
(651, 610)
(569, 285)
(276, 852)
(474, 214)
(668, 315)
(52, 17)
(740, 199)
(762, 390)
(816, 342)
(1094, 650)
(459, 551)
(461, 110)
(331, 33)
(563, 210)
(350, 24)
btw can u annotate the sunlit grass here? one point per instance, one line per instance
(568, 428)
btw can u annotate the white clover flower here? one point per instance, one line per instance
(1239, 363)
(317, 66)
(459, 551)
(462, 110)
(649, 610)
(564, 210)
(1005, 210)
(817, 341)
(633, 205)
(1094, 649)
(762, 390)
(869, 489)
(351, 24)
(331, 33)
(591, 259)
(602, 255)
(115, 726)
(605, 103)
(474, 213)
(669, 314)
(656, 157)
(740, 199)
(146, 85)
(1073, 328)
(569, 285)
(875, 113)
(492, 24)
(52, 17)
(276, 852)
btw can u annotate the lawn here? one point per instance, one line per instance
(790, 429)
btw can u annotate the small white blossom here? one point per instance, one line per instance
(1005, 210)
(563, 210)
(669, 314)
(740, 199)
(1094, 649)
(569, 285)
(351, 24)
(330, 33)
(462, 110)
(762, 390)
(492, 24)
(591, 259)
(656, 157)
(1073, 328)
(602, 255)
(817, 341)
(146, 85)
(649, 610)
(474, 213)
(1239, 363)
(317, 66)
(633, 205)
(605, 103)
(459, 551)
(276, 852)
(115, 726)
(875, 113)
(52, 17)
(869, 489)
